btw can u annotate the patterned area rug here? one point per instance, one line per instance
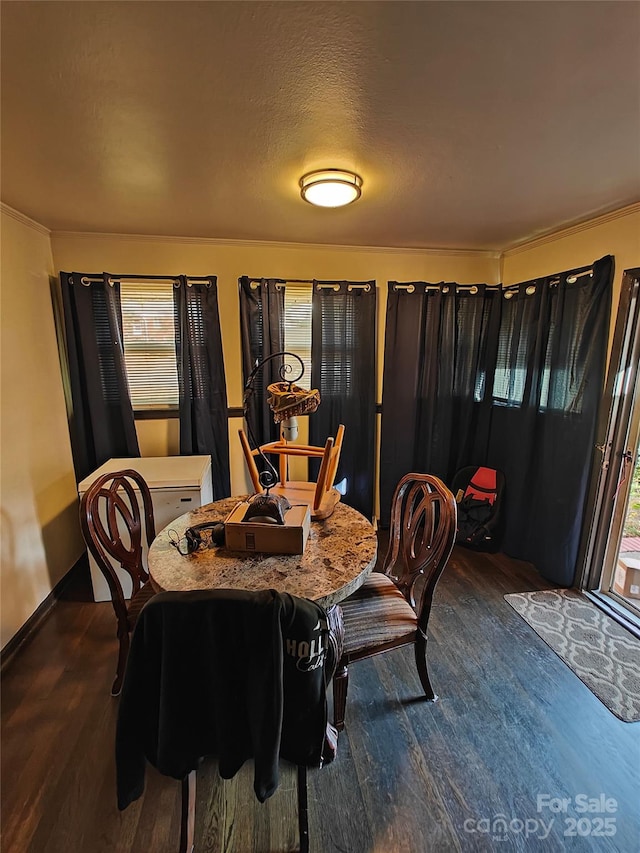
(602, 654)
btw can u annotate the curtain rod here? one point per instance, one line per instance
(472, 288)
(571, 278)
(90, 279)
(321, 285)
(335, 285)
(508, 289)
(282, 280)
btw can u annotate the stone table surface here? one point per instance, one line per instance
(339, 554)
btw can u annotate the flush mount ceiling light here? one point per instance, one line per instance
(330, 187)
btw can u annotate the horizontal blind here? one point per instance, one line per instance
(297, 327)
(511, 360)
(149, 343)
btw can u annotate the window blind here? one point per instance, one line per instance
(340, 333)
(149, 343)
(513, 351)
(297, 326)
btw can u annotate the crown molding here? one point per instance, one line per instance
(491, 254)
(576, 228)
(24, 220)
(264, 244)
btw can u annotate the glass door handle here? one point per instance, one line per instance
(604, 449)
(626, 464)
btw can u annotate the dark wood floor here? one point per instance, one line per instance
(512, 724)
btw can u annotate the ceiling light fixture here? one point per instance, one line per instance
(330, 187)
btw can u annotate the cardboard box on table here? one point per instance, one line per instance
(288, 538)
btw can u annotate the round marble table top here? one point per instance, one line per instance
(339, 554)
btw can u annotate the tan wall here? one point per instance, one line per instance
(617, 234)
(38, 501)
(229, 261)
(40, 534)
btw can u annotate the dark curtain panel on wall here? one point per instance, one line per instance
(439, 356)
(101, 422)
(201, 380)
(262, 335)
(548, 383)
(343, 368)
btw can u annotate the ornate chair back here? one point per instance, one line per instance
(115, 512)
(421, 538)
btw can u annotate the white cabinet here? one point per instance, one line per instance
(177, 484)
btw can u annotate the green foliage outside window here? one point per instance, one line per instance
(632, 521)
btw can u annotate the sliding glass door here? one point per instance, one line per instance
(625, 580)
(612, 541)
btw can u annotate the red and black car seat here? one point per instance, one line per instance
(479, 493)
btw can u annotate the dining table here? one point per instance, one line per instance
(340, 553)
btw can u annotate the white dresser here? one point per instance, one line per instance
(177, 484)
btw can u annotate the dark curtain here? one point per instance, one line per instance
(262, 335)
(101, 421)
(343, 369)
(439, 356)
(548, 383)
(201, 380)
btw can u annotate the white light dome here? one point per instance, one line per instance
(330, 187)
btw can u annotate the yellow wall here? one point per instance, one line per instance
(38, 499)
(40, 531)
(230, 260)
(617, 234)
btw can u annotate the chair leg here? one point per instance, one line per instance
(420, 650)
(188, 816)
(340, 687)
(123, 654)
(303, 809)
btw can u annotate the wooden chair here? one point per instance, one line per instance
(111, 522)
(216, 666)
(382, 614)
(321, 496)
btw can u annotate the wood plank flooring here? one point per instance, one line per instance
(512, 723)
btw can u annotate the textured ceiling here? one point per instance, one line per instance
(473, 125)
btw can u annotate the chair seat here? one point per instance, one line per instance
(376, 614)
(137, 602)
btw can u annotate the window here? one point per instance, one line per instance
(511, 363)
(556, 387)
(340, 333)
(148, 330)
(297, 326)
